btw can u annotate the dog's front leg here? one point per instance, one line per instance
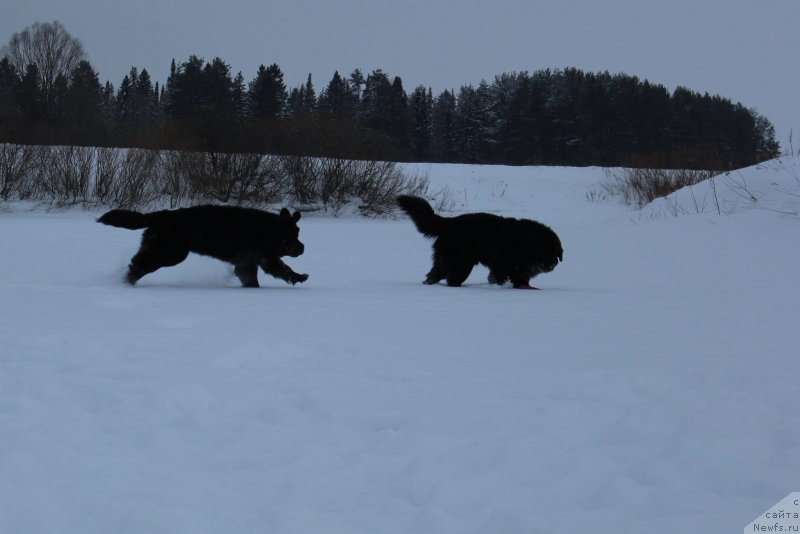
(275, 267)
(497, 277)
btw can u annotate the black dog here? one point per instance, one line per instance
(512, 249)
(246, 237)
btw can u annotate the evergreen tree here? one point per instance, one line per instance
(421, 105)
(384, 106)
(375, 100)
(57, 110)
(338, 98)
(30, 99)
(309, 97)
(187, 93)
(144, 103)
(267, 96)
(302, 100)
(397, 114)
(108, 103)
(123, 103)
(442, 126)
(84, 98)
(520, 121)
(294, 103)
(467, 126)
(155, 103)
(766, 147)
(239, 96)
(356, 84)
(168, 89)
(9, 111)
(218, 88)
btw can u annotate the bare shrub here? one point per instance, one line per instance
(596, 195)
(136, 183)
(247, 178)
(221, 174)
(443, 200)
(206, 175)
(220, 177)
(16, 162)
(335, 183)
(640, 186)
(303, 175)
(31, 186)
(133, 178)
(173, 180)
(382, 182)
(66, 176)
(267, 184)
(106, 168)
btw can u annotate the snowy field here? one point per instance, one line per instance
(651, 386)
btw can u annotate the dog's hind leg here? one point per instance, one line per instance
(437, 272)
(154, 253)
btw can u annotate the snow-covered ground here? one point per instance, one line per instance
(651, 386)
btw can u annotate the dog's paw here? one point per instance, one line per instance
(300, 278)
(497, 280)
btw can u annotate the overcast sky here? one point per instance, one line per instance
(745, 50)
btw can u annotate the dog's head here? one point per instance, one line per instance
(289, 244)
(552, 254)
(549, 251)
(540, 252)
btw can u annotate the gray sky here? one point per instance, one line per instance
(745, 50)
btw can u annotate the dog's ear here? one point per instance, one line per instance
(285, 212)
(296, 216)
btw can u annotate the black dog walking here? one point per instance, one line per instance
(514, 250)
(245, 237)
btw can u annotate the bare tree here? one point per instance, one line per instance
(50, 47)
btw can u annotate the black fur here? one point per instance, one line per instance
(245, 237)
(514, 250)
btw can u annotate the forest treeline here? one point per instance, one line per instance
(547, 117)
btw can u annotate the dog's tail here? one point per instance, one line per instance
(428, 223)
(132, 220)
